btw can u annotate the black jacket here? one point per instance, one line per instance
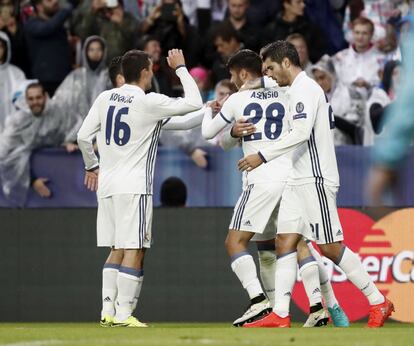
(280, 29)
(48, 47)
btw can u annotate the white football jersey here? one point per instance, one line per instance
(310, 137)
(127, 124)
(266, 109)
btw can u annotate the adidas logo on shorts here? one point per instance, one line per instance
(339, 232)
(107, 299)
(247, 223)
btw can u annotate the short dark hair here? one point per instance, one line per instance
(246, 59)
(364, 21)
(133, 62)
(295, 36)
(35, 85)
(114, 69)
(279, 50)
(226, 32)
(173, 192)
(226, 83)
(142, 43)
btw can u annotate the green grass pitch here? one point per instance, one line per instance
(91, 334)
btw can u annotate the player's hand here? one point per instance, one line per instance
(39, 185)
(116, 15)
(250, 162)
(175, 58)
(71, 147)
(199, 158)
(379, 179)
(251, 84)
(215, 106)
(242, 128)
(91, 180)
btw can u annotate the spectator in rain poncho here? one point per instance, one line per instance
(26, 130)
(347, 111)
(10, 79)
(80, 88)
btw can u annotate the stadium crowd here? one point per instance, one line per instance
(55, 54)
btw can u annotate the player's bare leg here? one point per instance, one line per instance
(130, 278)
(309, 271)
(349, 262)
(245, 269)
(109, 286)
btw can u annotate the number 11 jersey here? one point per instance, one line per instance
(266, 110)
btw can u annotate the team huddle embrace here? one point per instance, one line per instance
(284, 123)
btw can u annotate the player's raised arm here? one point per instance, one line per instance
(86, 135)
(164, 106)
(211, 126)
(185, 122)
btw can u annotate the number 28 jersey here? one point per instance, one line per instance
(266, 109)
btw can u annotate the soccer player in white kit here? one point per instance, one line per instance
(308, 206)
(126, 123)
(255, 213)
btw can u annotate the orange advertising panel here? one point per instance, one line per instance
(386, 248)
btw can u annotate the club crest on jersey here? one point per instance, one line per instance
(300, 107)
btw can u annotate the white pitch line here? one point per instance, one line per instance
(34, 343)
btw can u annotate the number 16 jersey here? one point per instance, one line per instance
(127, 124)
(266, 109)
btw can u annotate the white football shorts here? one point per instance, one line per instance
(257, 210)
(125, 221)
(310, 210)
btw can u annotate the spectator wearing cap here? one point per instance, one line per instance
(292, 19)
(47, 43)
(347, 119)
(109, 20)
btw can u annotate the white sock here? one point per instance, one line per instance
(267, 261)
(328, 293)
(352, 267)
(285, 277)
(309, 272)
(127, 286)
(138, 291)
(245, 269)
(109, 288)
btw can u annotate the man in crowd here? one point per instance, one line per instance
(109, 20)
(47, 43)
(39, 126)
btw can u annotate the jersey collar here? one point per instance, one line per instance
(297, 80)
(132, 87)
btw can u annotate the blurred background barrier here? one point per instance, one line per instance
(217, 186)
(52, 269)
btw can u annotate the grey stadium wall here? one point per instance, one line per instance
(51, 267)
